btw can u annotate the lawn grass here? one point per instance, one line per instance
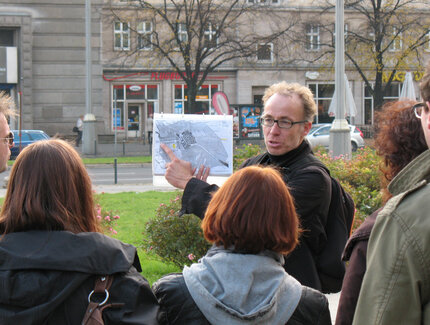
(120, 160)
(110, 160)
(135, 209)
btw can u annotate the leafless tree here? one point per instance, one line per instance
(197, 37)
(381, 39)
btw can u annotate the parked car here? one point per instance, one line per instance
(27, 137)
(319, 135)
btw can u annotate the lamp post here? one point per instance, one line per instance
(340, 137)
(89, 135)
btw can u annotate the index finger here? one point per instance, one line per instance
(168, 151)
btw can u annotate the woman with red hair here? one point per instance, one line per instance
(252, 223)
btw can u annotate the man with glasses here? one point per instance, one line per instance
(289, 109)
(7, 107)
(396, 285)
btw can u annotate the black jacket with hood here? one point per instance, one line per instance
(46, 277)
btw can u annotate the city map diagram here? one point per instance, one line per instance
(200, 139)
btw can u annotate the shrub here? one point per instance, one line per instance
(176, 239)
(360, 178)
(246, 151)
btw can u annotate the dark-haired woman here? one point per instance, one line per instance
(52, 251)
(252, 222)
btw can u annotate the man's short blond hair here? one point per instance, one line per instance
(287, 89)
(7, 105)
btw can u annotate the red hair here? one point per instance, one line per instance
(399, 138)
(253, 211)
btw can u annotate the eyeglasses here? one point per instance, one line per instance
(8, 140)
(418, 109)
(283, 124)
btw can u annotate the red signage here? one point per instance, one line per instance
(175, 76)
(165, 76)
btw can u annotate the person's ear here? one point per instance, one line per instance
(307, 127)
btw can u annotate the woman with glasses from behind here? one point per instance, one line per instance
(251, 221)
(52, 251)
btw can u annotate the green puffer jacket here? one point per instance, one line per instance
(396, 286)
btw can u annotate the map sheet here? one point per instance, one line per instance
(200, 139)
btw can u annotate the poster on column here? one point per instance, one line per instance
(199, 139)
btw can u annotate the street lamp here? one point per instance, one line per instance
(89, 134)
(340, 137)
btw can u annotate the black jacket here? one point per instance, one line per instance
(46, 276)
(311, 190)
(178, 307)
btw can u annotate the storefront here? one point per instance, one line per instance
(134, 98)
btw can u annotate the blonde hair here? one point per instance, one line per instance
(287, 89)
(7, 105)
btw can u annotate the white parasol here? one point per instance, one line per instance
(349, 99)
(408, 88)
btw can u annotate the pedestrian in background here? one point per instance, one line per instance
(399, 139)
(252, 223)
(80, 129)
(396, 285)
(149, 128)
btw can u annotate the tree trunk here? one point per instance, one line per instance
(191, 100)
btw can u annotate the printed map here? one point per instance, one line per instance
(200, 139)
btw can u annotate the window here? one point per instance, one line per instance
(122, 36)
(122, 93)
(182, 32)
(345, 33)
(144, 39)
(312, 38)
(265, 52)
(323, 94)
(203, 99)
(390, 94)
(7, 37)
(210, 36)
(397, 43)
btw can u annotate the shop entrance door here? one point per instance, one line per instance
(133, 117)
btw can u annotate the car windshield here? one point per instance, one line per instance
(313, 128)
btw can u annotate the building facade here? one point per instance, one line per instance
(48, 39)
(44, 42)
(128, 64)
